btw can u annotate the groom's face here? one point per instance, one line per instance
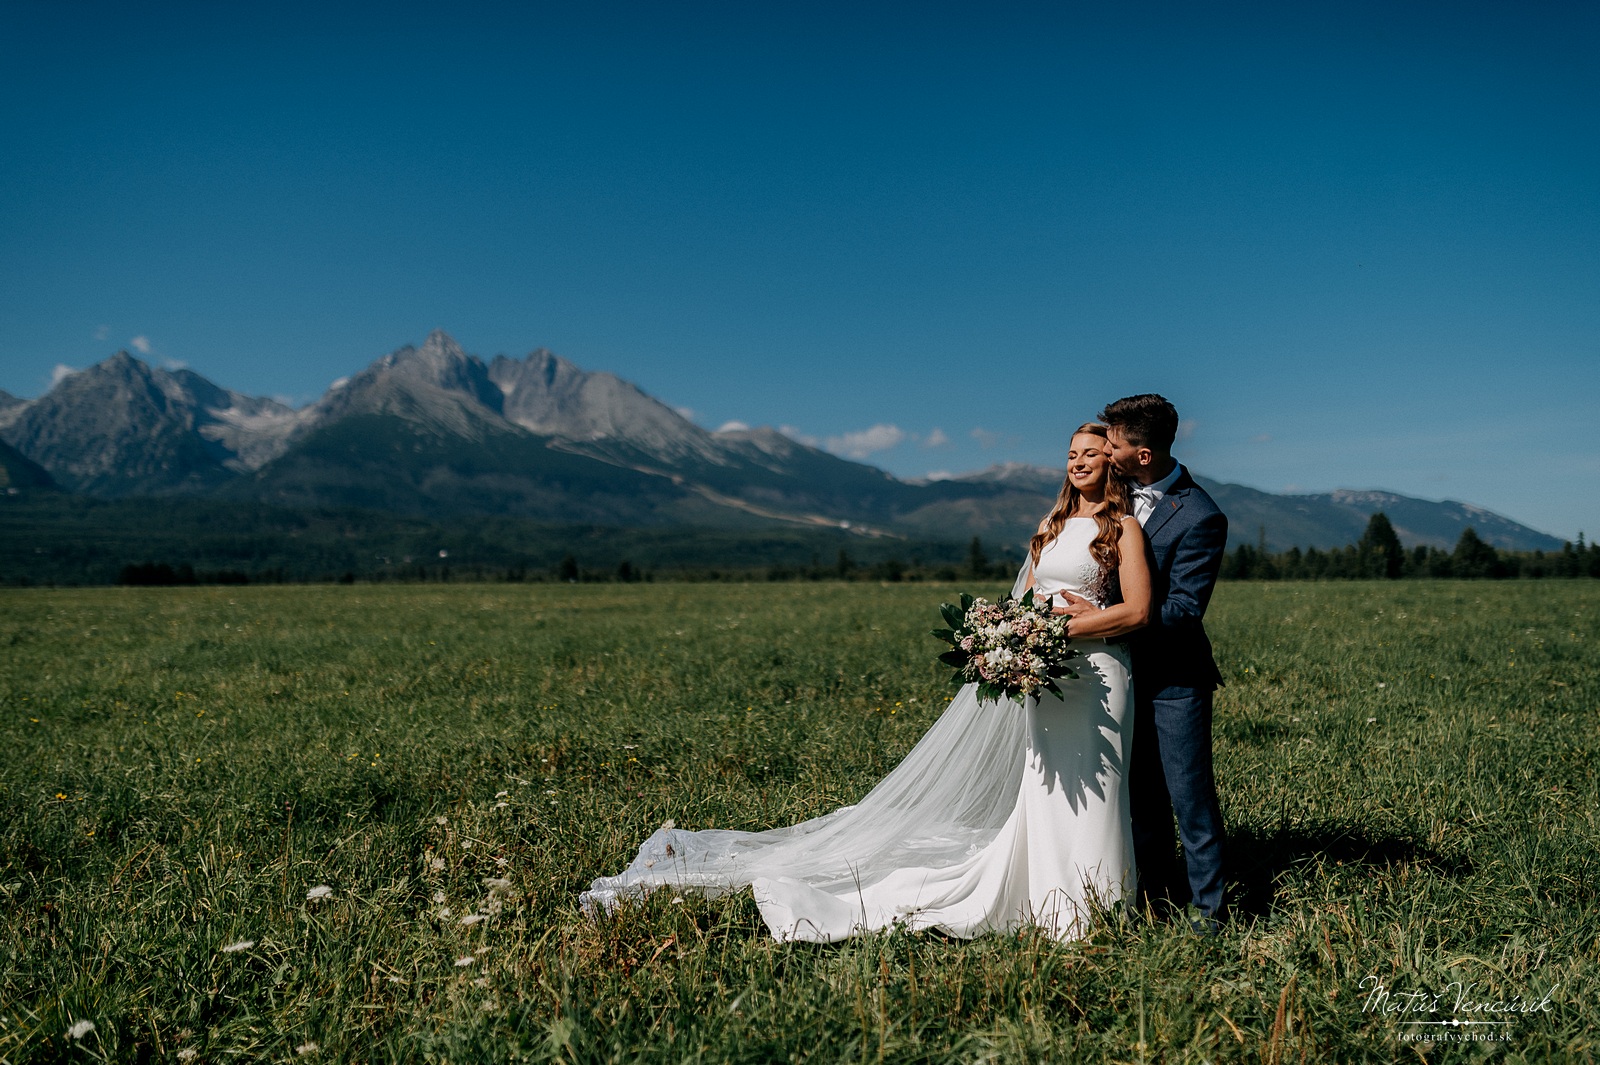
(1128, 460)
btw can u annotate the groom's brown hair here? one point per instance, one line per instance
(1145, 420)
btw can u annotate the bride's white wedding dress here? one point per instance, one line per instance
(1003, 814)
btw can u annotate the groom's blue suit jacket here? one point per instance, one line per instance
(1187, 535)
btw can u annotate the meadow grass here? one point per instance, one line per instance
(1407, 770)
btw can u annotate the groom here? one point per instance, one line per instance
(1174, 674)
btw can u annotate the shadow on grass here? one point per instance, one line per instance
(1261, 859)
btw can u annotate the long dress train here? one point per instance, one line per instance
(1005, 813)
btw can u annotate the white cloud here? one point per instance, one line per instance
(174, 364)
(1261, 438)
(864, 442)
(985, 438)
(141, 344)
(686, 413)
(101, 332)
(1186, 428)
(733, 427)
(937, 475)
(937, 438)
(798, 436)
(60, 373)
(339, 383)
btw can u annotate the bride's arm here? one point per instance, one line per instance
(1134, 610)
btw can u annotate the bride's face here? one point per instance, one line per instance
(1088, 462)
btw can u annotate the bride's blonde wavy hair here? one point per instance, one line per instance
(1119, 504)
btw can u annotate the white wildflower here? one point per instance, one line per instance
(441, 820)
(306, 1048)
(321, 891)
(1372, 721)
(473, 918)
(444, 913)
(438, 896)
(466, 844)
(502, 862)
(80, 1029)
(501, 805)
(463, 962)
(501, 794)
(668, 823)
(234, 948)
(497, 883)
(436, 865)
(188, 1054)
(677, 900)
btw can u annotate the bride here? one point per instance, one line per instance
(1004, 814)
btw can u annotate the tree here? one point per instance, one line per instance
(977, 561)
(1379, 553)
(1473, 558)
(568, 569)
(1240, 565)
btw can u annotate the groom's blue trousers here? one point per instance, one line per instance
(1171, 777)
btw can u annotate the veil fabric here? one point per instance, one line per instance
(946, 800)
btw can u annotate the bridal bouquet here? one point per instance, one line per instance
(1011, 649)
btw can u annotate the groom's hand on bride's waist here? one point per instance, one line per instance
(1073, 605)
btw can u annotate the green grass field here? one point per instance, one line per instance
(1408, 771)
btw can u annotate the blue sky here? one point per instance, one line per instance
(1358, 245)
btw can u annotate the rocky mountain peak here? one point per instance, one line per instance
(123, 426)
(431, 381)
(546, 394)
(1359, 497)
(441, 349)
(11, 408)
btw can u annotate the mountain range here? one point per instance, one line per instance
(433, 431)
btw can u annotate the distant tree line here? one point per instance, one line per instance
(570, 570)
(1379, 556)
(152, 574)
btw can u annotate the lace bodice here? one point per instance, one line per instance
(1065, 564)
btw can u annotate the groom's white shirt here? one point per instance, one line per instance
(1147, 496)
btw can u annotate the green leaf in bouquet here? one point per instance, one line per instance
(1027, 597)
(966, 602)
(947, 635)
(955, 657)
(954, 616)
